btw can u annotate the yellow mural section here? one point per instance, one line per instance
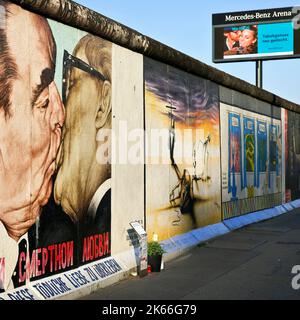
(183, 179)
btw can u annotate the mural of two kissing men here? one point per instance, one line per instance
(55, 194)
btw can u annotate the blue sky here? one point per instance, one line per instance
(186, 26)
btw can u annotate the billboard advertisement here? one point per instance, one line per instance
(256, 35)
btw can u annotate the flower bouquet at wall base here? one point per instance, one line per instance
(155, 253)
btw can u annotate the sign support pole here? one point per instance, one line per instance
(259, 74)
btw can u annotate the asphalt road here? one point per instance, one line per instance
(254, 263)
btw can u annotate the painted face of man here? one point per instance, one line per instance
(88, 110)
(30, 134)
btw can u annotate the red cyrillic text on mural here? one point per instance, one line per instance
(95, 247)
(54, 258)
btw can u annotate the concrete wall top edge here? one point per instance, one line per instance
(243, 101)
(78, 16)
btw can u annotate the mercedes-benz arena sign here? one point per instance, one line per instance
(256, 35)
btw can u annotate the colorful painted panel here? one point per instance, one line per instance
(249, 156)
(257, 185)
(183, 165)
(235, 158)
(262, 140)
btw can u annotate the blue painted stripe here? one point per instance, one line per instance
(255, 217)
(195, 237)
(295, 204)
(288, 206)
(210, 232)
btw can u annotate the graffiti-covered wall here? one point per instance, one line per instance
(98, 134)
(183, 154)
